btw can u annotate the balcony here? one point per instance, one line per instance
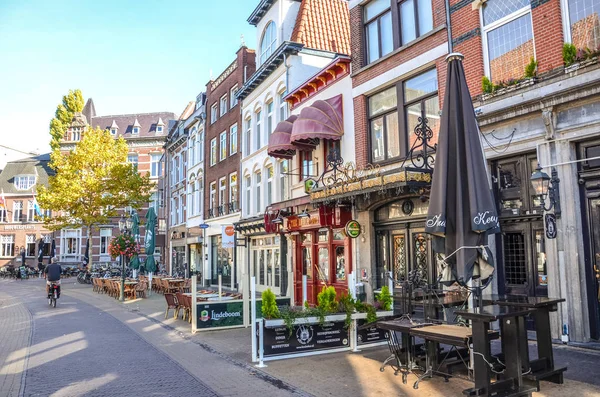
(222, 210)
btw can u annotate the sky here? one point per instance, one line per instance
(130, 56)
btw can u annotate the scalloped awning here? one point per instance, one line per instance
(279, 141)
(321, 120)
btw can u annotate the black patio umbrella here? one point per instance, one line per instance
(462, 211)
(52, 251)
(23, 257)
(41, 251)
(86, 256)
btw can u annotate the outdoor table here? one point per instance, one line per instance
(439, 303)
(510, 318)
(543, 366)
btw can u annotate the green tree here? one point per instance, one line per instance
(71, 103)
(92, 183)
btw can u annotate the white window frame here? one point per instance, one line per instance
(191, 198)
(248, 198)
(257, 191)
(268, 48)
(17, 209)
(113, 131)
(222, 192)
(233, 139)
(258, 117)
(154, 201)
(135, 130)
(222, 146)
(233, 183)
(159, 129)
(155, 165)
(200, 146)
(223, 109)
(173, 210)
(30, 211)
(7, 245)
(192, 150)
(485, 30)
(30, 239)
(24, 182)
(232, 96)
(283, 107)
(284, 180)
(214, 113)
(105, 238)
(182, 166)
(181, 217)
(270, 124)
(131, 157)
(3, 215)
(76, 134)
(248, 137)
(269, 184)
(212, 196)
(213, 151)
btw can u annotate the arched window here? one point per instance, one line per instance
(258, 189)
(191, 197)
(248, 194)
(268, 42)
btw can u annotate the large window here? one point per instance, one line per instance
(3, 215)
(258, 132)
(232, 96)
(257, 191)
(24, 182)
(233, 189)
(269, 192)
(213, 113)
(268, 42)
(223, 104)
(30, 211)
(378, 29)
(269, 118)
(223, 146)
(508, 38)
(182, 166)
(200, 147)
(213, 195)
(584, 23)
(248, 139)
(17, 211)
(416, 19)
(233, 139)
(213, 151)
(284, 180)
(222, 191)
(155, 166)
(192, 150)
(307, 165)
(30, 249)
(105, 237)
(132, 158)
(7, 245)
(191, 210)
(248, 194)
(392, 125)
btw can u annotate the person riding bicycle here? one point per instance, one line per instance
(52, 274)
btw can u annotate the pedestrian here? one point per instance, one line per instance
(40, 269)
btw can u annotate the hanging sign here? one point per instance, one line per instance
(309, 185)
(550, 226)
(227, 234)
(204, 226)
(352, 229)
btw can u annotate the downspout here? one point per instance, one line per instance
(449, 27)
(287, 72)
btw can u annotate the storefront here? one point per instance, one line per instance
(265, 262)
(221, 262)
(321, 250)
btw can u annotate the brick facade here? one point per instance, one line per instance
(243, 66)
(548, 35)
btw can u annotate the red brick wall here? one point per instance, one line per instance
(548, 35)
(361, 129)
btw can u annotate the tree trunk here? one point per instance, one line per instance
(89, 243)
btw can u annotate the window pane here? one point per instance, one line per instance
(540, 257)
(407, 21)
(393, 135)
(377, 147)
(340, 263)
(425, 16)
(494, 10)
(510, 48)
(420, 85)
(585, 24)
(387, 44)
(413, 113)
(307, 262)
(383, 101)
(373, 41)
(323, 264)
(375, 8)
(432, 112)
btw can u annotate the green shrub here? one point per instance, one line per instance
(346, 305)
(327, 300)
(385, 298)
(531, 68)
(569, 53)
(487, 85)
(269, 305)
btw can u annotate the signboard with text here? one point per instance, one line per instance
(305, 338)
(369, 334)
(220, 314)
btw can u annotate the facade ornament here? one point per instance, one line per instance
(549, 118)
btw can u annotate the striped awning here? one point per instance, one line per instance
(279, 141)
(324, 119)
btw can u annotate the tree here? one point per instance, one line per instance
(92, 183)
(71, 103)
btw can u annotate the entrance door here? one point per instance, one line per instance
(593, 204)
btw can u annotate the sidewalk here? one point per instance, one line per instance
(15, 332)
(347, 374)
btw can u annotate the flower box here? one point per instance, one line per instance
(304, 320)
(580, 65)
(363, 316)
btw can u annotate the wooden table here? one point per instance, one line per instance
(543, 366)
(511, 326)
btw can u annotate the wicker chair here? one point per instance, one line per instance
(140, 289)
(181, 301)
(187, 285)
(171, 304)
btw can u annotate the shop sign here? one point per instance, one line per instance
(19, 227)
(227, 236)
(309, 185)
(295, 223)
(370, 334)
(550, 226)
(352, 229)
(220, 314)
(305, 338)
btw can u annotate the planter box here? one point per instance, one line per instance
(580, 65)
(363, 316)
(305, 320)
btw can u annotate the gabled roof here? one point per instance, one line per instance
(146, 121)
(260, 11)
(136, 123)
(38, 165)
(323, 25)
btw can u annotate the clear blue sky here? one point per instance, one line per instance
(128, 55)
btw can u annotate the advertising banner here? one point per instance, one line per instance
(305, 338)
(227, 236)
(220, 314)
(369, 334)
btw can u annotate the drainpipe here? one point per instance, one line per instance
(287, 73)
(449, 27)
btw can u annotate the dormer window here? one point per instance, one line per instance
(76, 134)
(113, 131)
(159, 129)
(160, 126)
(136, 130)
(268, 42)
(136, 127)
(114, 128)
(24, 182)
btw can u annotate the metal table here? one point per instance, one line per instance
(512, 321)
(543, 366)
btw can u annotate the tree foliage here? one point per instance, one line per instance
(71, 103)
(92, 183)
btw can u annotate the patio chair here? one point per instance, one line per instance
(188, 300)
(187, 285)
(181, 301)
(171, 304)
(140, 289)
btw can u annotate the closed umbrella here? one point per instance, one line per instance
(41, 256)
(86, 256)
(150, 244)
(462, 211)
(135, 231)
(52, 251)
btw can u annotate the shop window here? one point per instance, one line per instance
(323, 267)
(7, 245)
(340, 263)
(540, 258)
(30, 249)
(507, 38)
(307, 262)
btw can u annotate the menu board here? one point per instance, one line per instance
(305, 338)
(370, 334)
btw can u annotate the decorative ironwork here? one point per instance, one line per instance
(421, 255)
(399, 258)
(421, 153)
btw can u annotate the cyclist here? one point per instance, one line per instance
(52, 274)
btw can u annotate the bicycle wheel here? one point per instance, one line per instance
(53, 302)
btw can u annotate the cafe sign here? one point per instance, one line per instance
(353, 229)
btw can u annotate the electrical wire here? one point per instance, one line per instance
(495, 148)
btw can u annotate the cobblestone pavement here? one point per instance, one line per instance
(210, 355)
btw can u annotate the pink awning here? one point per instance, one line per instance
(321, 120)
(279, 141)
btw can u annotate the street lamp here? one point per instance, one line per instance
(544, 187)
(124, 227)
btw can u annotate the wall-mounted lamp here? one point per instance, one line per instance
(278, 220)
(304, 214)
(546, 187)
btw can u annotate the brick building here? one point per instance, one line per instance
(398, 75)
(145, 134)
(222, 134)
(19, 227)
